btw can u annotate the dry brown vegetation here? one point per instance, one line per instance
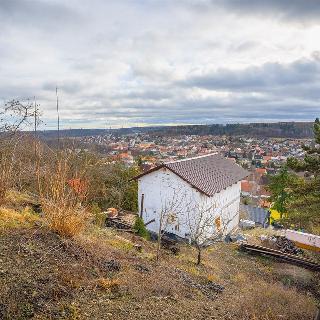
(62, 181)
(65, 184)
(10, 218)
(98, 274)
(62, 204)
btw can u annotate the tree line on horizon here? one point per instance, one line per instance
(260, 130)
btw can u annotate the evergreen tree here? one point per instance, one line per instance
(279, 187)
(311, 161)
(304, 206)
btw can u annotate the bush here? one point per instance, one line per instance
(66, 220)
(141, 229)
(99, 216)
(63, 203)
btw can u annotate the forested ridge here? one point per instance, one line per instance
(275, 130)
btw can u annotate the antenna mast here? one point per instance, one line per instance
(35, 126)
(58, 117)
(35, 117)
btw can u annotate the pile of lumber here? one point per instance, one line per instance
(285, 245)
(123, 221)
(286, 257)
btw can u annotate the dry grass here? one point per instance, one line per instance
(120, 243)
(66, 220)
(257, 232)
(54, 273)
(316, 230)
(99, 241)
(256, 287)
(12, 219)
(108, 284)
(64, 214)
(253, 235)
(61, 203)
(264, 300)
(15, 197)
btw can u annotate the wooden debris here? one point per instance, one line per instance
(294, 259)
(123, 221)
(285, 245)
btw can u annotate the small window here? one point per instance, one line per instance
(217, 222)
(176, 227)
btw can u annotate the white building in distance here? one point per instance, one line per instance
(195, 195)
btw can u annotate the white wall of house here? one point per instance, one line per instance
(228, 205)
(164, 190)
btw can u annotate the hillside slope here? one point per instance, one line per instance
(101, 275)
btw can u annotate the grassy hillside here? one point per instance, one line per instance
(100, 274)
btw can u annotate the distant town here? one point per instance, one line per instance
(149, 147)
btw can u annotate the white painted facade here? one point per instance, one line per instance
(162, 190)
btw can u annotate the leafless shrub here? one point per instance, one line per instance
(62, 197)
(202, 220)
(14, 116)
(6, 170)
(206, 224)
(201, 226)
(171, 208)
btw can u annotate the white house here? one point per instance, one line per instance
(192, 192)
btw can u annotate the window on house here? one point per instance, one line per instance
(217, 222)
(176, 227)
(172, 218)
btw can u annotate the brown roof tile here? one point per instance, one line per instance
(209, 174)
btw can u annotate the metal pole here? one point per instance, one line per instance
(58, 117)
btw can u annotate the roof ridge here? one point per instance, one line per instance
(192, 158)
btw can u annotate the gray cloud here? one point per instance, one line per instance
(307, 11)
(260, 78)
(69, 87)
(37, 14)
(157, 62)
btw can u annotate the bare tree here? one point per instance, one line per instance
(207, 223)
(200, 221)
(14, 116)
(171, 208)
(202, 218)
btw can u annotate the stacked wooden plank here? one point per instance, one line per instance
(286, 257)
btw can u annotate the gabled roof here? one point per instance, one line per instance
(209, 174)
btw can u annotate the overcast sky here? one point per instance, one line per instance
(151, 62)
